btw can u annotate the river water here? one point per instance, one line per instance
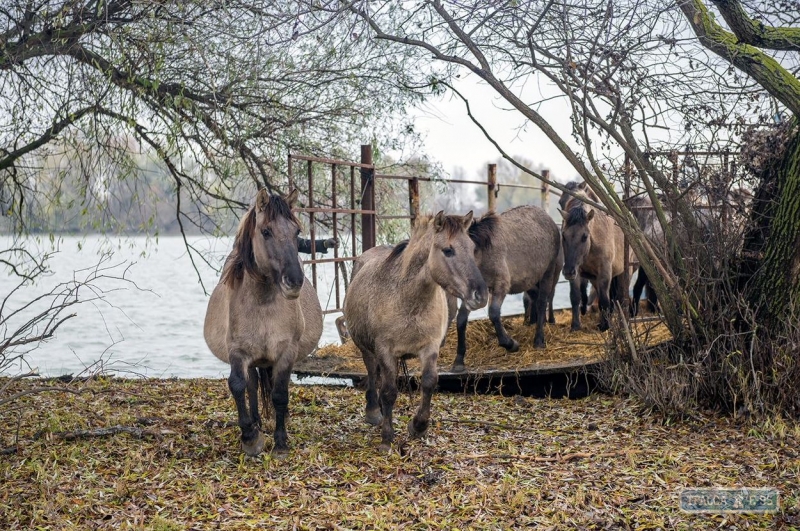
(153, 324)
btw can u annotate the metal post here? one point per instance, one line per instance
(491, 189)
(313, 233)
(335, 234)
(289, 170)
(545, 191)
(413, 199)
(367, 199)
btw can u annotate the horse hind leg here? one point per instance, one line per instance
(252, 396)
(252, 438)
(505, 341)
(418, 425)
(281, 374)
(388, 396)
(373, 414)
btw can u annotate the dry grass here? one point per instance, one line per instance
(596, 463)
(483, 352)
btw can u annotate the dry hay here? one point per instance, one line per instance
(164, 455)
(564, 348)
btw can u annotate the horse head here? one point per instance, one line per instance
(576, 238)
(266, 244)
(452, 260)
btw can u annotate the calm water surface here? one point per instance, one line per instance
(155, 327)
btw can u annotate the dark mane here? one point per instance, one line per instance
(397, 251)
(277, 207)
(481, 231)
(241, 259)
(576, 215)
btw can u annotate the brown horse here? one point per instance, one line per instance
(593, 249)
(263, 316)
(516, 251)
(396, 306)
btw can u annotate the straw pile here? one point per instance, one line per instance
(564, 348)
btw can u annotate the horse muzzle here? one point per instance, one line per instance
(477, 299)
(289, 289)
(570, 274)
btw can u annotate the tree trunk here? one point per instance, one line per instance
(773, 241)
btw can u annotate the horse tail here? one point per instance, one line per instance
(265, 385)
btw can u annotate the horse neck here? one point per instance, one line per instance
(262, 288)
(415, 274)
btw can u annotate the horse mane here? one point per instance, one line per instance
(576, 215)
(450, 224)
(397, 250)
(241, 259)
(481, 231)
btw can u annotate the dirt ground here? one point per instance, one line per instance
(164, 454)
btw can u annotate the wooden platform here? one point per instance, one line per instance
(561, 369)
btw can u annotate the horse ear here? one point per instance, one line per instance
(563, 214)
(590, 215)
(438, 221)
(262, 199)
(467, 220)
(292, 197)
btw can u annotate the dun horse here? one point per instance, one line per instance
(516, 251)
(396, 307)
(593, 249)
(263, 316)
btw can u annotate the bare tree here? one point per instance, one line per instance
(216, 92)
(639, 78)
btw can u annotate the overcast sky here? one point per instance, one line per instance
(454, 140)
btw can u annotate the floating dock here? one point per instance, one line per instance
(563, 369)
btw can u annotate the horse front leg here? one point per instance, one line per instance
(418, 426)
(252, 438)
(641, 281)
(461, 329)
(373, 413)
(505, 341)
(575, 300)
(281, 373)
(584, 292)
(388, 368)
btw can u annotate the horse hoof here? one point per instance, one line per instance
(374, 417)
(416, 432)
(254, 447)
(602, 327)
(575, 328)
(539, 344)
(458, 367)
(512, 347)
(385, 448)
(279, 453)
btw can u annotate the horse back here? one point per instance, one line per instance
(525, 247)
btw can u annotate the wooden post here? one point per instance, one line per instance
(367, 199)
(413, 199)
(491, 189)
(545, 191)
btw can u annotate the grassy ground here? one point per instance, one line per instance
(488, 463)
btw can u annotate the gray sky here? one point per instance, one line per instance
(454, 140)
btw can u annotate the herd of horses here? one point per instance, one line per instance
(264, 316)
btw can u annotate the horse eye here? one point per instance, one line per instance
(448, 252)
(266, 233)
(584, 238)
